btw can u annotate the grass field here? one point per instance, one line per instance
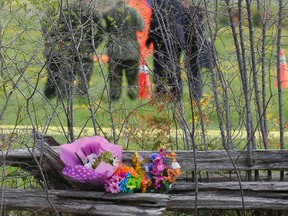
(139, 124)
(27, 106)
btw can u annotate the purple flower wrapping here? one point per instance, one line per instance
(77, 155)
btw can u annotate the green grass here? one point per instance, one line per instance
(140, 132)
(42, 112)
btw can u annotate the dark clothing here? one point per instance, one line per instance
(122, 22)
(168, 35)
(116, 70)
(194, 27)
(193, 32)
(167, 22)
(71, 36)
(174, 28)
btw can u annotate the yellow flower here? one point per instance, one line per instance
(137, 164)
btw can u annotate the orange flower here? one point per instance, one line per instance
(124, 168)
(177, 172)
(145, 182)
(172, 174)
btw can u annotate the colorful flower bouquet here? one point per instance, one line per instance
(90, 160)
(125, 179)
(96, 161)
(152, 175)
(158, 175)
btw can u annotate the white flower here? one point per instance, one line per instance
(84, 160)
(175, 165)
(89, 161)
(91, 157)
(89, 165)
(115, 161)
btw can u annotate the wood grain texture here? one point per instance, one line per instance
(209, 161)
(221, 183)
(100, 203)
(85, 202)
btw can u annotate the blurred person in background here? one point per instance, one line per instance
(71, 34)
(122, 23)
(178, 26)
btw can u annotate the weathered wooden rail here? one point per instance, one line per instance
(220, 181)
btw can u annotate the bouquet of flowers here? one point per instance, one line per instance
(158, 176)
(90, 160)
(96, 161)
(152, 175)
(125, 179)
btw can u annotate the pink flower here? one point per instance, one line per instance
(122, 174)
(107, 187)
(158, 166)
(114, 188)
(158, 181)
(115, 179)
(162, 152)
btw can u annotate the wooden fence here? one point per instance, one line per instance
(219, 180)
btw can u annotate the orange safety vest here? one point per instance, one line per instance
(145, 10)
